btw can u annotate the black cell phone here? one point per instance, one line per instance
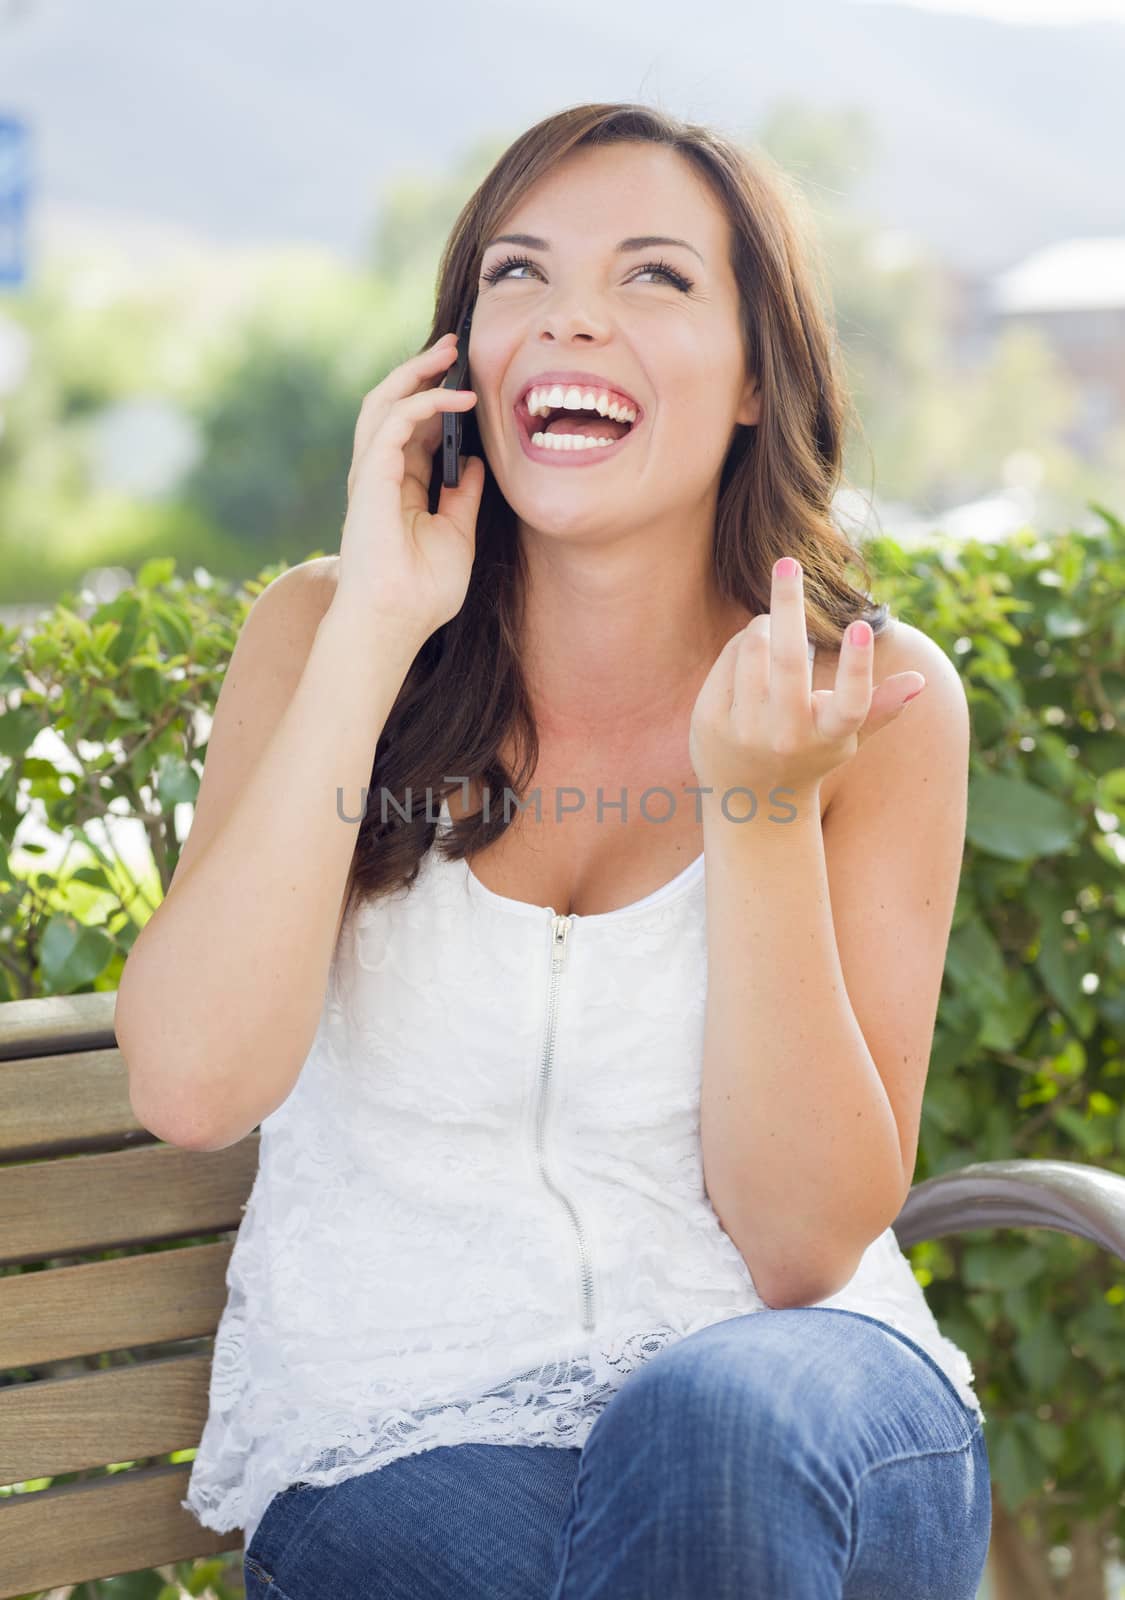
(455, 378)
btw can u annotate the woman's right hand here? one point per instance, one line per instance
(398, 564)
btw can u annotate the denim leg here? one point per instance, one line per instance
(928, 1516)
(780, 1456)
(445, 1524)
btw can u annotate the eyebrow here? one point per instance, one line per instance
(641, 241)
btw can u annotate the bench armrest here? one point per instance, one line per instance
(1068, 1196)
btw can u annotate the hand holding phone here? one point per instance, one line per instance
(400, 565)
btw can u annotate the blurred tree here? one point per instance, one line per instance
(277, 434)
(419, 211)
(825, 151)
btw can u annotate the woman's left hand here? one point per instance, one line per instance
(759, 724)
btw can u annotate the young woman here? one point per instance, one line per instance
(568, 1270)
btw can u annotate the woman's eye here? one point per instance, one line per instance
(504, 269)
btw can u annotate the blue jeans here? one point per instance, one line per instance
(809, 1454)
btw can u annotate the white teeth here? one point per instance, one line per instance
(569, 441)
(540, 401)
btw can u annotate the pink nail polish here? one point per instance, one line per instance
(786, 567)
(860, 634)
(912, 696)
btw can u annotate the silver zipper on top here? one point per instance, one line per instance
(560, 927)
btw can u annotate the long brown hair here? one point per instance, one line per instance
(465, 693)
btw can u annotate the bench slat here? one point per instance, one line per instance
(63, 1104)
(127, 1197)
(126, 1522)
(71, 1312)
(56, 1023)
(120, 1414)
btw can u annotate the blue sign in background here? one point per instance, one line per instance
(15, 184)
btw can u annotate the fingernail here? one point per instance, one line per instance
(860, 633)
(786, 567)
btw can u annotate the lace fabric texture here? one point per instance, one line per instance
(482, 1205)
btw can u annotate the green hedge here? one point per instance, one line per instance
(1027, 1058)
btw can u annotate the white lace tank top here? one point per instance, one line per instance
(482, 1205)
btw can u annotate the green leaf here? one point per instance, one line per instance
(104, 634)
(148, 688)
(38, 767)
(204, 1575)
(95, 876)
(974, 962)
(949, 1102)
(176, 782)
(147, 1585)
(18, 729)
(1063, 962)
(1042, 1355)
(1017, 821)
(1103, 1349)
(1000, 1265)
(1105, 1431)
(1091, 1136)
(984, 1306)
(125, 610)
(1109, 793)
(1015, 1466)
(1050, 1439)
(72, 956)
(172, 628)
(156, 572)
(1006, 1022)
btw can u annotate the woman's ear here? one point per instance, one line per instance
(750, 409)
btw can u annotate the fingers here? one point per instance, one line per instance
(752, 667)
(460, 502)
(421, 374)
(771, 668)
(790, 679)
(851, 696)
(398, 423)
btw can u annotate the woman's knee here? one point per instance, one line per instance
(805, 1389)
(718, 1402)
(707, 1462)
(775, 1374)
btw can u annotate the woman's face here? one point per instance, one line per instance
(672, 343)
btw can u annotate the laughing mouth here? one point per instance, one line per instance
(606, 417)
(591, 446)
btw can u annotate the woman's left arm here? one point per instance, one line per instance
(826, 940)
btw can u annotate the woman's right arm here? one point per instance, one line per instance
(220, 997)
(223, 988)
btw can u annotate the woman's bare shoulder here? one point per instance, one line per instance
(304, 591)
(902, 647)
(899, 647)
(319, 576)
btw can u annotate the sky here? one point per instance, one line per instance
(1046, 11)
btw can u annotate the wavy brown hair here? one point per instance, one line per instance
(465, 692)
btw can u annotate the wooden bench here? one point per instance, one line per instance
(97, 1357)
